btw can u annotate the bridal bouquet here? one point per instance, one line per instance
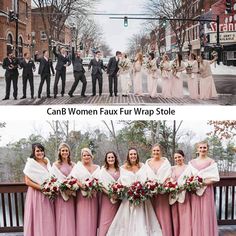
(124, 65)
(136, 193)
(171, 186)
(174, 68)
(116, 192)
(193, 183)
(161, 66)
(189, 69)
(148, 65)
(152, 188)
(91, 187)
(50, 188)
(69, 186)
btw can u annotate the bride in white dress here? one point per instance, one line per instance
(133, 220)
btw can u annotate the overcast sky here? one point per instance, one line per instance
(13, 131)
(115, 34)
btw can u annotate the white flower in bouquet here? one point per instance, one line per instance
(50, 188)
(91, 187)
(123, 65)
(189, 69)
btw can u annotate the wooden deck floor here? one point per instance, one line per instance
(229, 230)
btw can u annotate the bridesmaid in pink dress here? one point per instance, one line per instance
(159, 169)
(166, 77)
(39, 218)
(110, 173)
(204, 221)
(64, 210)
(207, 84)
(86, 208)
(181, 212)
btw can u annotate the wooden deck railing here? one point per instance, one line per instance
(12, 198)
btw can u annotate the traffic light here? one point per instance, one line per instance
(125, 21)
(11, 15)
(228, 6)
(163, 21)
(81, 46)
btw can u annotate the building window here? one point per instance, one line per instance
(26, 10)
(9, 43)
(20, 46)
(43, 36)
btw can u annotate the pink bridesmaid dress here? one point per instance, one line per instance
(86, 215)
(166, 80)
(193, 80)
(107, 212)
(39, 218)
(65, 210)
(137, 79)
(204, 222)
(181, 213)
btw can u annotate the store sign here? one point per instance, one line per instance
(225, 37)
(223, 27)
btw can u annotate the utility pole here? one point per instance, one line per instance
(17, 27)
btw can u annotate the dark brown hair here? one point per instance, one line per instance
(181, 152)
(40, 147)
(116, 164)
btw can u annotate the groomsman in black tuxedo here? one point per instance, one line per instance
(45, 68)
(97, 67)
(79, 71)
(28, 66)
(10, 64)
(63, 61)
(112, 69)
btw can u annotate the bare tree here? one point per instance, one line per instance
(172, 9)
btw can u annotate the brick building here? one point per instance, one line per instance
(8, 29)
(41, 41)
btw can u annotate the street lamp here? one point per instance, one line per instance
(33, 42)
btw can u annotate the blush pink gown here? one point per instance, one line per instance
(181, 213)
(166, 80)
(193, 80)
(107, 212)
(39, 218)
(86, 215)
(204, 222)
(65, 210)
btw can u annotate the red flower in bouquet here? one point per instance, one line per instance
(193, 183)
(69, 186)
(117, 191)
(136, 193)
(152, 188)
(50, 188)
(171, 186)
(91, 187)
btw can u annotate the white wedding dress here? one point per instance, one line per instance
(133, 220)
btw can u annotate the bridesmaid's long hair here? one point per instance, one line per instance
(180, 58)
(127, 162)
(116, 164)
(181, 152)
(40, 147)
(59, 158)
(139, 57)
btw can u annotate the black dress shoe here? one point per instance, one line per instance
(55, 96)
(116, 95)
(111, 95)
(100, 94)
(83, 95)
(62, 94)
(15, 98)
(23, 97)
(32, 97)
(5, 99)
(93, 95)
(71, 95)
(39, 96)
(49, 96)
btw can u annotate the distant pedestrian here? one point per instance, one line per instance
(79, 73)
(10, 64)
(97, 67)
(45, 69)
(28, 66)
(63, 61)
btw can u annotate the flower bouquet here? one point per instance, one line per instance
(50, 188)
(69, 186)
(193, 183)
(148, 65)
(171, 187)
(152, 188)
(91, 187)
(189, 69)
(136, 193)
(116, 192)
(174, 68)
(161, 67)
(123, 65)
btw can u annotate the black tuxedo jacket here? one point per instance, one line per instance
(61, 60)
(43, 63)
(27, 67)
(10, 66)
(112, 67)
(97, 66)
